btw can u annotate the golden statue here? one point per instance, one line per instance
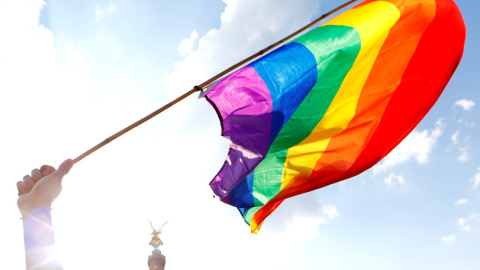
(156, 242)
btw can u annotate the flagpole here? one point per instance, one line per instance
(209, 81)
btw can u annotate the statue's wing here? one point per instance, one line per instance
(151, 225)
(160, 229)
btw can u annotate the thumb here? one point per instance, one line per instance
(64, 168)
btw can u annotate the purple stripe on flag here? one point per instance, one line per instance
(243, 104)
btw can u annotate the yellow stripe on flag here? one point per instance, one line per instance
(373, 23)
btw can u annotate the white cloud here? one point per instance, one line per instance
(186, 45)
(463, 155)
(454, 137)
(462, 222)
(465, 104)
(461, 202)
(476, 179)
(102, 12)
(302, 227)
(330, 211)
(393, 179)
(466, 223)
(299, 219)
(449, 239)
(417, 145)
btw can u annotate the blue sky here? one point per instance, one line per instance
(73, 73)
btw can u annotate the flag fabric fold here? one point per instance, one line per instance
(333, 102)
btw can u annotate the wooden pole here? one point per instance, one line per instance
(209, 81)
(134, 125)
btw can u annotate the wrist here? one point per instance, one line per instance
(38, 216)
(32, 205)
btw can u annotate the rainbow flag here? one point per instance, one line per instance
(333, 102)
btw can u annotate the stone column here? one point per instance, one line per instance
(156, 261)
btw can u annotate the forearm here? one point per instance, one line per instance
(40, 240)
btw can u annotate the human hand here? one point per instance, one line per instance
(41, 188)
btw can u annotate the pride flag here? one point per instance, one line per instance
(333, 102)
